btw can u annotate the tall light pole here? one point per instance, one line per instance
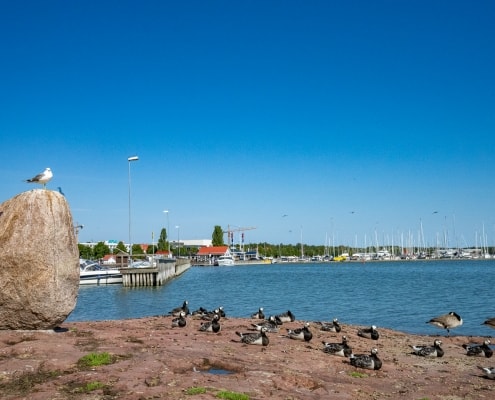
(129, 160)
(178, 238)
(168, 232)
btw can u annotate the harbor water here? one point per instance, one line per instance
(400, 295)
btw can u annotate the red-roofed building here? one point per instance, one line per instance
(209, 254)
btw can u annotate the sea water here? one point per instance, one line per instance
(400, 295)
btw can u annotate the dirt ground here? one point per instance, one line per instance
(152, 360)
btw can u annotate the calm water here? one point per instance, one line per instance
(397, 295)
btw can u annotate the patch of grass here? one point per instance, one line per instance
(95, 360)
(90, 386)
(195, 390)
(225, 394)
(24, 383)
(356, 374)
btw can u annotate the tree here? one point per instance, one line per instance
(85, 251)
(217, 236)
(120, 246)
(100, 250)
(137, 249)
(162, 241)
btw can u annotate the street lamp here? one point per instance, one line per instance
(168, 232)
(130, 159)
(178, 239)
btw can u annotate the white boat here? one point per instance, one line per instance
(225, 260)
(92, 273)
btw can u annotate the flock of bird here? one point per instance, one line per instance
(258, 334)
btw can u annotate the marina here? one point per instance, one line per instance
(399, 295)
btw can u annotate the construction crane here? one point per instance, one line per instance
(230, 234)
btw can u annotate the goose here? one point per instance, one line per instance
(180, 321)
(286, 317)
(259, 338)
(338, 349)
(269, 324)
(177, 310)
(333, 326)
(211, 326)
(300, 333)
(258, 314)
(490, 322)
(367, 361)
(446, 321)
(369, 333)
(489, 372)
(480, 350)
(429, 351)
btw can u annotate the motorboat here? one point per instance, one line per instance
(224, 260)
(92, 273)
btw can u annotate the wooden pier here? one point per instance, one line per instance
(165, 269)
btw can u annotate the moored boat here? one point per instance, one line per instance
(225, 260)
(92, 273)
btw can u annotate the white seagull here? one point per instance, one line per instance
(42, 178)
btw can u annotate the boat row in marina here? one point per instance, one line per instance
(93, 273)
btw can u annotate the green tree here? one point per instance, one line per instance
(100, 250)
(162, 241)
(217, 236)
(137, 249)
(85, 251)
(120, 246)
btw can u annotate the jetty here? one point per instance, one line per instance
(163, 270)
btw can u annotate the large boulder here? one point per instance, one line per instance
(39, 261)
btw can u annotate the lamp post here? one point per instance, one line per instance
(129, 160)
(168, 232)
(178, 239)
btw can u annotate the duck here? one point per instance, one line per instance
(180, 321)
(269, 324)
(490, 322)
(177, 310)
(480, 350)
(333, 326)
(446, 321)
(211, 326)
(300, 333)
(369, 333)
(429, 351)
(366, 361)
(259, 338)
(337, 349)
(489, 372)
(286, 317)
(258, 314)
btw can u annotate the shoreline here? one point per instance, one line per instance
(154, 360)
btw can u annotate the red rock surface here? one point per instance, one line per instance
(155, 361)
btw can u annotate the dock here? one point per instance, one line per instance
(165, 269)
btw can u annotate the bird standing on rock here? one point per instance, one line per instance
(183, 308)
(180, 321)
(211, 326)
(447, 321)
(333, 326)
(42, 178)
(338, 349)
(258, 314)
(286, 317)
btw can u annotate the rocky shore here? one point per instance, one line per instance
(152, 360)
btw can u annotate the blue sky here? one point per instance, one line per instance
(358, 120)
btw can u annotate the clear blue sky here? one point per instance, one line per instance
(355, 119)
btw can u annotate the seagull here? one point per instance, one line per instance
(42, 178)
(300, 333)
(480, 350)
(366, 361)
(338, 349)
(429, 351)
(369, 333)
(489, 372)
(447, 321)
(180, 321)
(258, 338)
